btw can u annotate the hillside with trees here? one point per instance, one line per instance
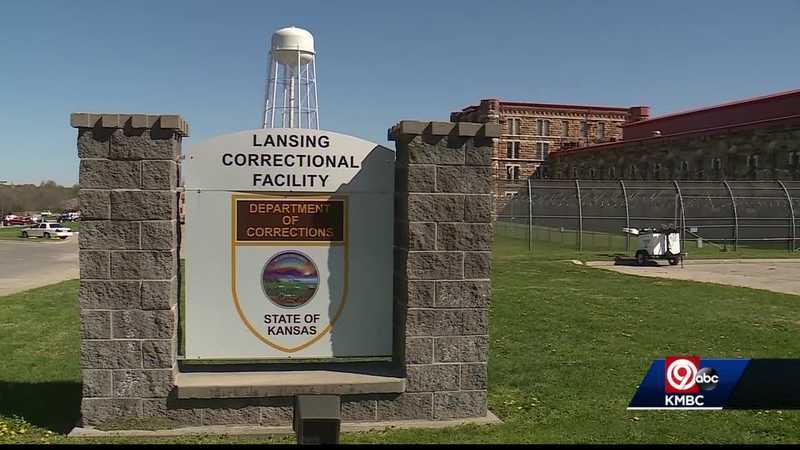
(48, 195)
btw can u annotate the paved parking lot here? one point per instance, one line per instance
(29, 264)
(777, 275)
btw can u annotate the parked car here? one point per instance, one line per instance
(69, 216)
(47, 230)
(17, 220)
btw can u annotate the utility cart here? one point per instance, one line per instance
(663, 243)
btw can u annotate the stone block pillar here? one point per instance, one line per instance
(129, 175)
(443, 236)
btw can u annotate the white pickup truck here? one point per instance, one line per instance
(47, 230)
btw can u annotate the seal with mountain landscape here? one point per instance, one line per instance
(290, 279)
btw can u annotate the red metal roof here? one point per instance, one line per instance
(767, 107)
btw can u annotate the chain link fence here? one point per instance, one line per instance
(589, 215)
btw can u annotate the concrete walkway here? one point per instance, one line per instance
(28, 264)
(253, 430)
(776, 275)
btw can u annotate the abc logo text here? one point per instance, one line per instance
(684, 379)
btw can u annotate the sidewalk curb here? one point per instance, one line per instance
(254, 430)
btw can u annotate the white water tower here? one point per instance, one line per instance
(290, 100)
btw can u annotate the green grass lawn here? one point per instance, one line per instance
(40, 371)
(569, 345)
(11, 232)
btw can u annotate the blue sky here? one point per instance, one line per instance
(378, 61)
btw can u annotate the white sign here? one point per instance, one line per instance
(288, 246)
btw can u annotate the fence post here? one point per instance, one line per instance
(530, 217)
(580, 215)
(791, 212)
(682, 217)
(627, 216)
(735, 216)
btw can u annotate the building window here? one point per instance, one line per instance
(574, 172)
(658, 171)
(565, 128)
(752, 165)
(632, 172)
(512, 149)
(543, 127)
(752, 162)
(794, 159)
(716, 167)
(592, 173)
(513, 125)
(512, 172)
(542, 150)
(601, 130)
(612, 172)
(584, 129)
(509, 194)
(684, 169)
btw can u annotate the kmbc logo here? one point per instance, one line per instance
(684, 375)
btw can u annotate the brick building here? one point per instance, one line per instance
(530, 132)
(752, 139)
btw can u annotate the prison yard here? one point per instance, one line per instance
(569, 345)
(569, 243)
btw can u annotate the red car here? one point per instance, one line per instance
(18, 221)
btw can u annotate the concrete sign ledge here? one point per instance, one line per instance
(238, 430)
(283, 384)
